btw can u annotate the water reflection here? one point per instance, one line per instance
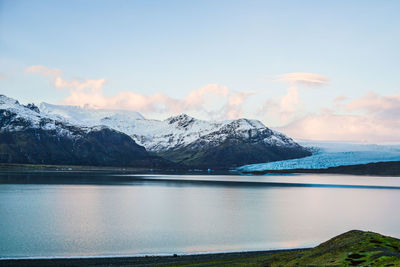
(92, 214)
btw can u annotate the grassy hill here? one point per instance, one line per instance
(353, 248)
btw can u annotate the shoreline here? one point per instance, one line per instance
(389, 168)
(352, 248)
(142, 260)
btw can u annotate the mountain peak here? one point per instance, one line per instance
(246, 123)
(182, 120)
(5, 100)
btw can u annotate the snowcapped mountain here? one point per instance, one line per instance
(28, 135)
(183, 139)
(16, 117)
(172, 133)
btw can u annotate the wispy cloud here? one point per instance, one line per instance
(304, 79)
(87, 92)
(44, 71)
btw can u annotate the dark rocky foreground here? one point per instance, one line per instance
(353, 248)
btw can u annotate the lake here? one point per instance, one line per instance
(55, 214)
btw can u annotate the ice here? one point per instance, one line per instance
(332, 154)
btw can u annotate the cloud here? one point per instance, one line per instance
(380, 107)
(304, 79)
(87, 92)
(290, 102)
(340, 99)
(90, 93)
(372, 118)
(289, 106)
(233, 108)
(44, 71)
(286, 108)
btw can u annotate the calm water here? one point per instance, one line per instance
(90, 214)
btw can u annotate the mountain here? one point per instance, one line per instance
(186, 140)
(28, 135)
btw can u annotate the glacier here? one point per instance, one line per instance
(332, 154)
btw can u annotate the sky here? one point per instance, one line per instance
(319, 70)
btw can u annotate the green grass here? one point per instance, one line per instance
(354, 248)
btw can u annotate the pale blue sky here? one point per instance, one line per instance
(175, 47)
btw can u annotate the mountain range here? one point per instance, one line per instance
(57, 134)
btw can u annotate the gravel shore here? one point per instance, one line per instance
(142, 260)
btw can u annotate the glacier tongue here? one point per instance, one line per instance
(332, 154)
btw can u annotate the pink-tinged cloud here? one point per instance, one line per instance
(304, 79)
(286, 108)
(290, 102)
(355, 128)
(87, 92)
(382, 107)
(340, 99)
(372, 118)
(44, 71)
(233, 108)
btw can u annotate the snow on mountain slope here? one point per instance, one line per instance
(29, 136)
(172, 133)
(17, 117)
(333, 154)
(86, 115)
